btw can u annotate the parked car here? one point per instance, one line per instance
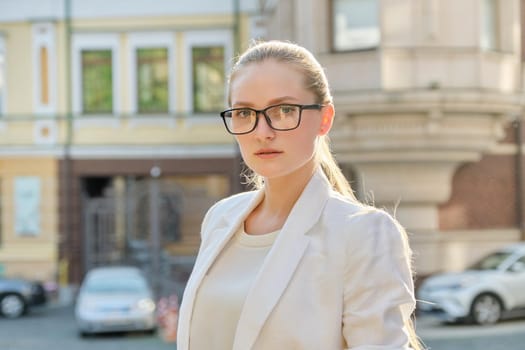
(115, 299)
(492, 288)
(17, 296)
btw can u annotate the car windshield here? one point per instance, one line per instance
(129, 285)
(491, 261)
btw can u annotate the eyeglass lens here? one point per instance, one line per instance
(280, 117)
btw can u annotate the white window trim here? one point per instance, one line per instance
(138, 40)
(46, 40)
(3, 72)
(201, 39)
(94, 42)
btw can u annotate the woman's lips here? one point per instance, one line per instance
(267, 153)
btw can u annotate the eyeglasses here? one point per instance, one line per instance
(282, 117)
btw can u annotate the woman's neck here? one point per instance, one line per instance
(280, 195)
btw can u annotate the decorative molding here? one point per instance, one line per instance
(154, 120)
(122, 152)
(45, 132)
(44, 68)
(3, 76)
(97, 122)
(155, 151)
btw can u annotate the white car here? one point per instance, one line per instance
(115, 299)
(492, 288)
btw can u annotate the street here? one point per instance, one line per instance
(55, 329)
(506, 335)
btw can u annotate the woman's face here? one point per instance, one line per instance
(271, 153)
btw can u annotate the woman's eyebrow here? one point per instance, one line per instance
(273, 101)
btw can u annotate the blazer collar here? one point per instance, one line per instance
(282, 261)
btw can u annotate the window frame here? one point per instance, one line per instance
(83, 42)
(147, 40)
(333, 31)
(204, 38)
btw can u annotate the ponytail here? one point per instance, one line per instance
(332, 170)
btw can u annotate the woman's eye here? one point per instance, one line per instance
(287, 109)
(242, 113)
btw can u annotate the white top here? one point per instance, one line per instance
(224, 289)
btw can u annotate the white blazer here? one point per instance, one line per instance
(337, 277)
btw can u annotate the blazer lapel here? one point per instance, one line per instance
(215, 243)
(282, 261)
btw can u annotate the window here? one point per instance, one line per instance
(152, 80)
(2, 77)
(355, 24)
(151, 70)
(207, 62)
(208, 79)
(95, 75)
(97, 82)
(489, 24)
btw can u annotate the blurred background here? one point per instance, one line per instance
(112, 149)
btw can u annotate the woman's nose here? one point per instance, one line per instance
(263, 128)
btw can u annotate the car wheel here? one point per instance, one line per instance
(12, 306)
(486, 309)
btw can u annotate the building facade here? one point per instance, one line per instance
(429, 108)
(111, 148)
(109, 115)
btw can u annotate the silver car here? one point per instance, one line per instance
(115, 299)
(484, 293)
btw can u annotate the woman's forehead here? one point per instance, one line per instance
(268, 78)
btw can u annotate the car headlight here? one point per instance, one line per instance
(464, 282)
(467, 282)
(146, 305)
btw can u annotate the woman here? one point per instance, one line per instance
(298, 263)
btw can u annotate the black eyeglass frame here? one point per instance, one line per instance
(316, 106)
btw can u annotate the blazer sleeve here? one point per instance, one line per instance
(378, 285)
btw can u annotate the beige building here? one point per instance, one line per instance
(428, 95)
(107, 115)
(104, 108)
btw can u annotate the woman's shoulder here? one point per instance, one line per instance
(360, 221)
(347, 208)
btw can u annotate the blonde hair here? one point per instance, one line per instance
(317, 83)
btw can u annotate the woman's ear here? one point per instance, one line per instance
(327, 118)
